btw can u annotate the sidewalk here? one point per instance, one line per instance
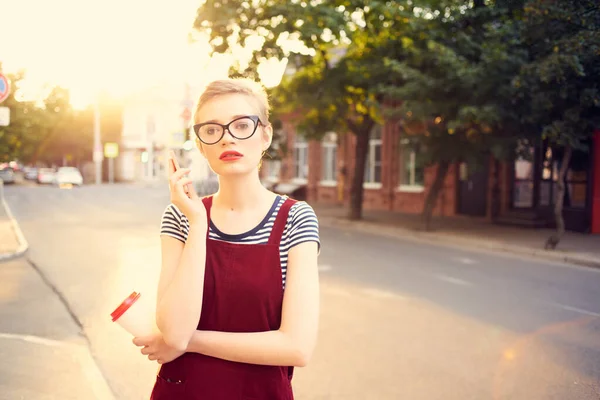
(12, 242)
(574, 248)
(44, 353)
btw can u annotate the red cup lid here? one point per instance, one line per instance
(124, 306)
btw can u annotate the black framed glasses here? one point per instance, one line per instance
(240, 128)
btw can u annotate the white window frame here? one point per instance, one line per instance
(411, 186)
(273, 170)
(329, 160)
(370, 164)
(300, 146)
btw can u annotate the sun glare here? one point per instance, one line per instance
(113, 46)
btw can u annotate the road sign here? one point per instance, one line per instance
(111, 150)
(4, 116)
(4, 88)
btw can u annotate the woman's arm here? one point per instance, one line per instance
(293, 343)
(181, 285)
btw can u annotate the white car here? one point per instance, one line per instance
(68, 175)
(46, 175)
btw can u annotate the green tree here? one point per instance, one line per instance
(58, 117)
(453, 82)
(558, 90)
(46, 131)
(19, 139)
(337, 64)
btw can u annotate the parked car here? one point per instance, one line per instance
(46, 175)
(68, 175)
(7, 175)
(31, 173)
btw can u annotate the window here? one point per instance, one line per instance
(523, 178)
(273, 168)
(412, 171)
(373, 164)
(329, 159)
(575, 179)
(300, 160)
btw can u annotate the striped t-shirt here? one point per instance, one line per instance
(301, 226)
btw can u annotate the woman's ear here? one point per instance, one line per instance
(267, 137)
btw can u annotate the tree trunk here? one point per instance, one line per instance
(555, 238)
(356, 190)
(432, 196)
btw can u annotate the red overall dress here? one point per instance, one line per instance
(243, 292)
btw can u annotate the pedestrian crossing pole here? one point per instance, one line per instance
(98, 155)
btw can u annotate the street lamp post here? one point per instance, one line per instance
(97, 144)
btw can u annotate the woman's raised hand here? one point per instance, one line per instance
(183, 194)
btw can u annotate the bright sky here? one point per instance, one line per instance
(113, 45)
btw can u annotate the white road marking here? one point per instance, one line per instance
(336, 291)
(95, 379)
(575, 309)
(466, 260)
(450, 279)
(325, 268)
(379, 293)
(35, 339)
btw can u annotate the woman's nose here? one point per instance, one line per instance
(227, 137)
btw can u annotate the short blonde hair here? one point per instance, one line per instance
(243, 86)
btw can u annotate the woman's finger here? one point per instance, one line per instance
(181, 187)
(170, 167)
(184, 181)
(178, 175)
(192, 192)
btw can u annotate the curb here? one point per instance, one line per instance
(454, 241)
(23, 245)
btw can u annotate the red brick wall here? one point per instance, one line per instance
(314, 168)
(326, 195)
(446, 203)
(385, 198)
(287, 163)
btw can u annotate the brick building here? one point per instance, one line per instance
(520, 192)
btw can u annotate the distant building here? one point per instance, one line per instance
(520, 192)
(155, 121)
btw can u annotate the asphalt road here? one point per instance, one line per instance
(399, 319)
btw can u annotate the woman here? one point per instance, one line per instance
(238, 295)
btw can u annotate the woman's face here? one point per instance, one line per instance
(231, 156)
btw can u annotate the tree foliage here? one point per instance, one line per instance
(336, 61)
(466, 80)
(454, 83)
(26, 125)
(558, 88)
(50, 131)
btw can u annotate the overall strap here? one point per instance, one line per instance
(280, 221)
(207, 204)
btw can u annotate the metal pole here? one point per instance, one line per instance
(97, 144)
(151, 160)
(111, 170)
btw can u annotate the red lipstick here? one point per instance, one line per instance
(230, 155)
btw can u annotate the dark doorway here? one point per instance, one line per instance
(472, 189)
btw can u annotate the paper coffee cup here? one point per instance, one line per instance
(136, 315)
